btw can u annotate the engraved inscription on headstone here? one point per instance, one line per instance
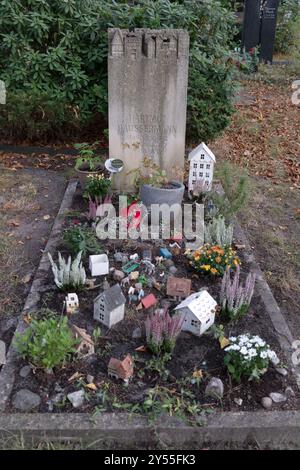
(147, 88)
(268, 29)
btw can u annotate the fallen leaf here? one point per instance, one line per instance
(141, 349)
(224, 342)
(27, 318)
(75, 376)
(46, 217)
(91, 386)
(26, 279)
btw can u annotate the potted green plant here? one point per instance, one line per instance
(87, 163)
(155, 187)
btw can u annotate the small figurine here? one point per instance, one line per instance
(71, 304)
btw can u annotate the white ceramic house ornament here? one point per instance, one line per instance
(72, 304)
(109, 306)
(202, 161)
(98, 265)
(199, 312)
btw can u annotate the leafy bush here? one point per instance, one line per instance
(213, 259)
(234, 297)
(53, 58)
(47, 342)
(248, 356)
(67, 274)
(288, 26)
(77, 238)
(236, 193)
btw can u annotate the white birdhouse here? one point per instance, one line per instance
(199, 312)
(71, 304)
(98, 265)
(201, 173)
(109, 306)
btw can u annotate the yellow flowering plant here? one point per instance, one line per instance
(213, 259)
(96, 186)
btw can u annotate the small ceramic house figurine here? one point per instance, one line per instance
(98, 265)
(178, 288)
(121, 369)
(199, 311)
(202, 162)
(109, 306)
(71, 304)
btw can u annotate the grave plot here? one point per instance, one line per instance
(149, 331)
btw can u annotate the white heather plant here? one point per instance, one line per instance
(68, 274)
(218, 233)
(248, 356)
(234, 297)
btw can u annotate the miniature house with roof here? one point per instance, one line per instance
(121, 369)
(109, 306)
(71, 304)
(202, 161)
(199, 311)
(178, 288)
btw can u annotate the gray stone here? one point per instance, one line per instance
(214, 388)
(120, 258)
(90, 379)
(281, 371)
(25, 371)
(266, 402)
(2, 353)
(173, 270)
(25, 400)
(168, 263)
(277, 397)
(76, 398)
(137, 333)
(238, 401)
(147, 89)
(289, 392)
(118, 275)
(275, 361)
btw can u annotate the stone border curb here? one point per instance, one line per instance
(275, 430)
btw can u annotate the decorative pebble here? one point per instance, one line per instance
(76, 398)
(137, 333)
(281, 371)
(277, 397)
(266, 402)
(25, 371)
(238, 401)
(25, 400)
(215, 388)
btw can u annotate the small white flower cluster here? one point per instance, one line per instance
(250, 347)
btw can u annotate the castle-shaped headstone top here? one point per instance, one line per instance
(141, 42)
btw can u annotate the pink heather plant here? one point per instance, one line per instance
(234, 297)
(162, 331)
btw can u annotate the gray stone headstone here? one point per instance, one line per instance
(251, 25)
(147, 89)
(268, 29)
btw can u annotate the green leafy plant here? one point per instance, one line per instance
(151, 173)
(47, 342)
(236, 193)
(288, 24)
(87, 159)
(77, 238)
(96, 187)
(248, 356)
(67, 274)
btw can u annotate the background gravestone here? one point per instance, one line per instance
(147, 90)
(268, 30)
(251, 26)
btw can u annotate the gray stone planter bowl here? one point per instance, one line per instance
(83, 173)
(151, 195)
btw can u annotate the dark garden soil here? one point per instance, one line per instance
(29, 201)
(191, 352)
